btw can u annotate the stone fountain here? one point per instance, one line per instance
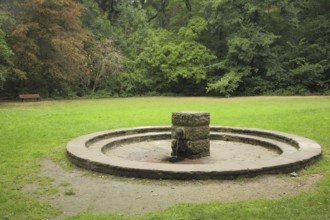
(192, 149)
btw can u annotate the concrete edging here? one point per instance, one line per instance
(305, 152)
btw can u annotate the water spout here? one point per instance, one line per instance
(179, 134)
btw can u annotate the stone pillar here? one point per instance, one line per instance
(190, 135)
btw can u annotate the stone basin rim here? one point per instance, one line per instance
(79, 154)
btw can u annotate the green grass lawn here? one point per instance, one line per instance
(32, 131)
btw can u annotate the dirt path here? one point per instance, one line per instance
(106, 194)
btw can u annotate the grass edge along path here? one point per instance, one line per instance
(32, 131)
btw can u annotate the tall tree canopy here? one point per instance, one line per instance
(191, 47)
(5, 59)
(48, 41)
(259, 45)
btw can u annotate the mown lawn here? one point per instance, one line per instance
(32, 131)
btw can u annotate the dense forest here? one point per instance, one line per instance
(70, 48)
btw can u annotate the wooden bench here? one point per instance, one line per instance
(29, 96)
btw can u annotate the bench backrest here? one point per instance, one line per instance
(29, 96)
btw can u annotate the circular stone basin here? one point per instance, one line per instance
(158, 152)
(145, 152)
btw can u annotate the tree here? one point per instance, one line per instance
(177, 60)
(159, 7)
(105, 62)
(250, 39)
(313, 70)
(6, 55)
(96, 20)
(49, 43)
(72, 47)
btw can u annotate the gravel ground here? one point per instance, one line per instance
(80, 191)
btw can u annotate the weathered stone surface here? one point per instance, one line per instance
(190, 118)
(87, 152)
(190, 149)
(191, 133)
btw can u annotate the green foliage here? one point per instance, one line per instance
(96, 20)
(105, 58)
(69, 192)
(6, 55)
(229, 47)
(226, 85)
(134, 80)
(105, 62)
(248, 46)
(48, 41)
(174, 57)
(315, 19)
(261, 43)
(130, 28)
(194, 27)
